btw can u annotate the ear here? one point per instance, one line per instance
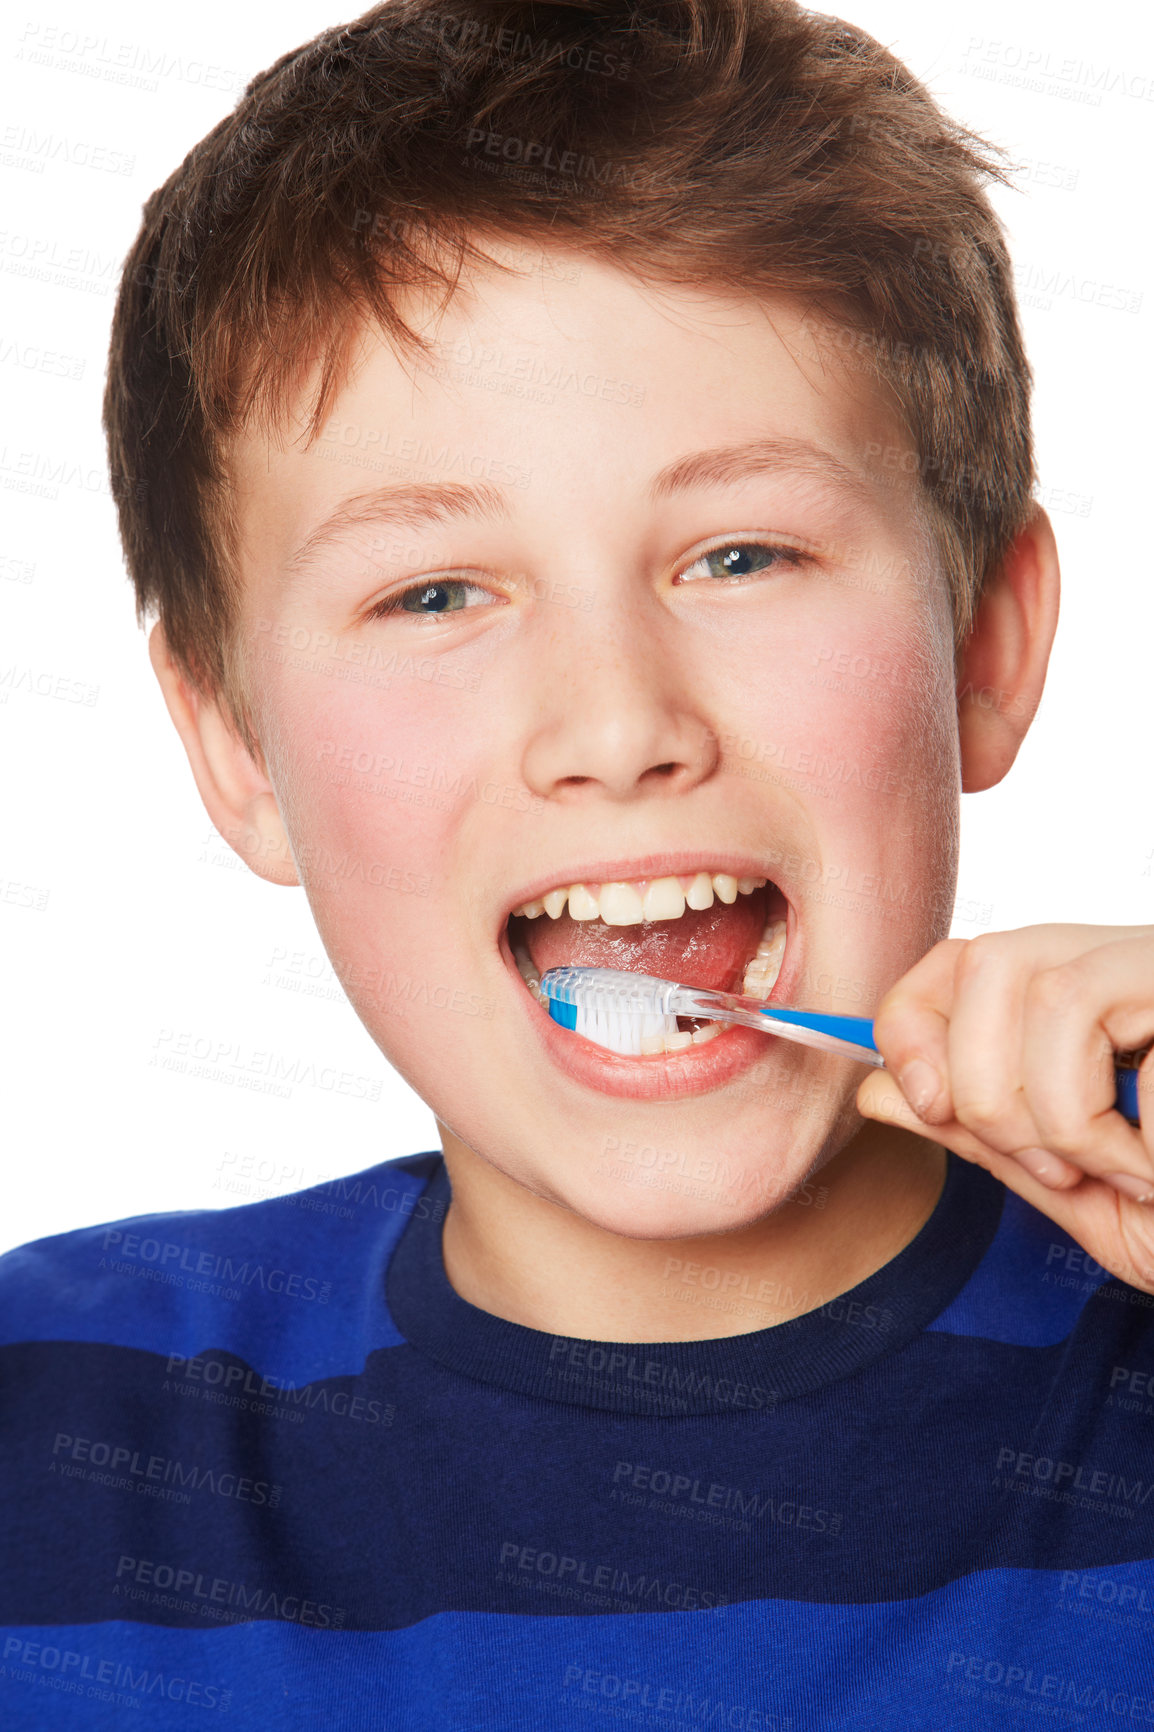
(1002, 666)
(235, 789)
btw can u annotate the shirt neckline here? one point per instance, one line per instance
(727, 1374)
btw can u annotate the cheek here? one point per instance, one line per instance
(856, 726)
(886, 770)
(368, 773)
(839, 696)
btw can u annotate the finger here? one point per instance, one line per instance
(911, 1030)
(952, 1032)
(985, 1039)
(1129, 1026)
(1075, 1015)
(878, 1098)
(1118, 1234)
(1146, 1102)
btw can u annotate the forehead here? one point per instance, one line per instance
(562, 379)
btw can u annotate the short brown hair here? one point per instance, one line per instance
(748, 143)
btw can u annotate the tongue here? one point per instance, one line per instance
(707, 947)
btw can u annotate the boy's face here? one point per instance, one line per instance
(612, 664)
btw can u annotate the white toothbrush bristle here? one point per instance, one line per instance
(622, 1013)
(599, 1019)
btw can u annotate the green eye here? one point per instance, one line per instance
(435, 598)
(430, 600)
(735, 560)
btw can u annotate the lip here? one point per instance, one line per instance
(648, 866)
(697, 1070)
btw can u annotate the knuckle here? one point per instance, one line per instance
(1057, 991)
(980, 955)
(1068, 1140)
(1063, 1128)
(980, 1112)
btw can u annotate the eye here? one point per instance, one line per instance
(429, 600)
(734, 561)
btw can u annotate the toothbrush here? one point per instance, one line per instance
(618, 1010)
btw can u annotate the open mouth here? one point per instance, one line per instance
(707, 929)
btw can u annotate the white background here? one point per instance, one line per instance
(127, 924)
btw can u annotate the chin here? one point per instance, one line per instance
(640, 1188)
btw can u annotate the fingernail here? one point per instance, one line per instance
(1138, 1190)
(1044, 1167)
(921, 1085)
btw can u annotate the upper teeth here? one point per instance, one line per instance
(629, 903)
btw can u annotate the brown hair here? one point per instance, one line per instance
(748, 143)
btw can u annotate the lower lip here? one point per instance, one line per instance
(697, 1070)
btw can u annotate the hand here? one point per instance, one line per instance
(1003, 1047)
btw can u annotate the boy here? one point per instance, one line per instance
(713, 1386)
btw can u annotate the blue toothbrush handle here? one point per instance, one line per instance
(860, 1030)
(1126, 1092)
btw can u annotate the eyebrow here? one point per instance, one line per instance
(725, 464)
(406, 507)
(419, 505)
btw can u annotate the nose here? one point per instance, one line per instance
(617, 719)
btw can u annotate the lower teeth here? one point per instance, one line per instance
(759, 980)
(675, 1039)
(763, 969)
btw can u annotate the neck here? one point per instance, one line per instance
(569, 1277)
